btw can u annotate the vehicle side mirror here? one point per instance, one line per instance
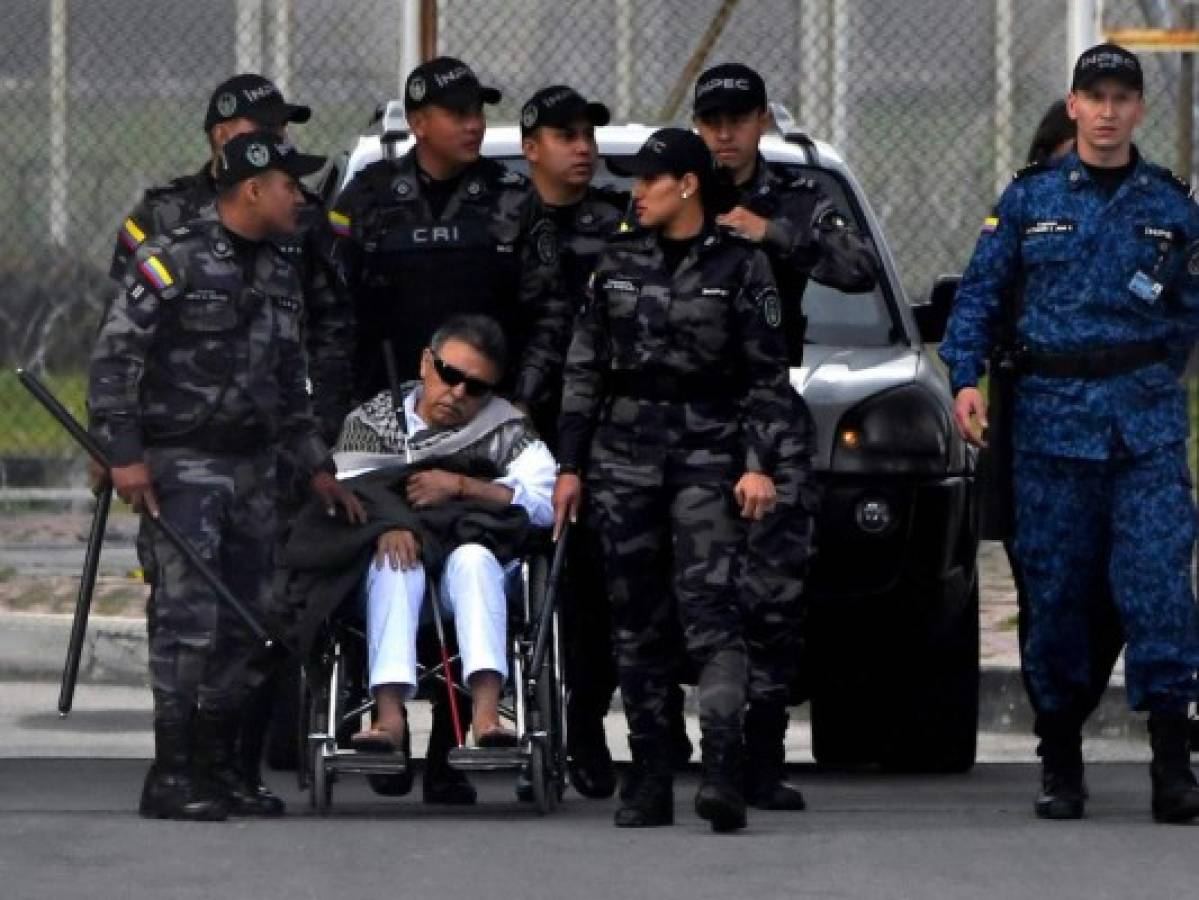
(933, 316)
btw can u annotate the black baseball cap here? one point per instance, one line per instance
(676, 151)
(559, 106)
(1108, 61)
(257, 152)
(447, 82)
(730, 87)
(251, 96)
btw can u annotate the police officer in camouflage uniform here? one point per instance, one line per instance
(1105, 246)
(245, 103)
(443, 231)
(804, 236)
(557, 128)
(675, 405)
(197, 377)
(241, 104)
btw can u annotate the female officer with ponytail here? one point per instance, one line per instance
(676, 400)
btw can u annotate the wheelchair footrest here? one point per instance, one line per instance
(358, 762)
(488, 759)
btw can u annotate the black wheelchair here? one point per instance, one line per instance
(335, 695)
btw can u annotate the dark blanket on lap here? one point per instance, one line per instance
(325, 557)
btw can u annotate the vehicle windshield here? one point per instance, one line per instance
(834, 317)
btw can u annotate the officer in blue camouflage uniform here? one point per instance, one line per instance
(439, 232)
(244, 103)
(804, 236)
(197, 377)
(557, 127)
(675, 405)
(1106, 248)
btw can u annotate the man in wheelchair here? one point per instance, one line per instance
(452, 488)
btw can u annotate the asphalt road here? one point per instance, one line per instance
(68, 829)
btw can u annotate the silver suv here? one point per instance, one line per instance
(891, 657)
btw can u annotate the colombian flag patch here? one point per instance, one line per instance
(131, 235)
(156, 273)
(340, 223)
(990, 223)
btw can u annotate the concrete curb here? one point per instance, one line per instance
(33, 647)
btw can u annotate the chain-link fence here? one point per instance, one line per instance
(932, 102)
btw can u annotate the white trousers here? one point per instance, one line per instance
(472, 592)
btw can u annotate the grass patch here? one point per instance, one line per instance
(120, 601)
(28, 430)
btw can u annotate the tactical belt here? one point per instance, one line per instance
(1101, 362)
(669, 387)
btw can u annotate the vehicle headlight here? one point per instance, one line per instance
(901, 430)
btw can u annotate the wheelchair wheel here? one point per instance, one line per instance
(545, 791)
(321, 789)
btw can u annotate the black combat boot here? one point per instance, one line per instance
(589, 764)
(171, 791)
(647, 797)
(216, 734)
(443, 784)
(1175, 792)
(251, 738)
(719, 798)
(765, 754)
(1063, 791)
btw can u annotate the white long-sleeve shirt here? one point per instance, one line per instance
(530, 476)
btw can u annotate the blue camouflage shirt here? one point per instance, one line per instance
(1088, 265)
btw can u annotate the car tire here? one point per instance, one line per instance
(843, 709)
(931, 725)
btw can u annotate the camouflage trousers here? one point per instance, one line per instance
(672, 543)
(776, 561)
(201, 653)
(1129, 522)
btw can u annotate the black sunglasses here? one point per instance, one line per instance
(452, 377)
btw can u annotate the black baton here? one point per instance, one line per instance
(83, 603)
(43, 396)
(541, 643)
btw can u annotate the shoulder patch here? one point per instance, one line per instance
(156, 272)
(340, 223)
(131, 235)
(545, 242)
(1031, 169)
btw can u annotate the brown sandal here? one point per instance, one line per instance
(376, 741)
